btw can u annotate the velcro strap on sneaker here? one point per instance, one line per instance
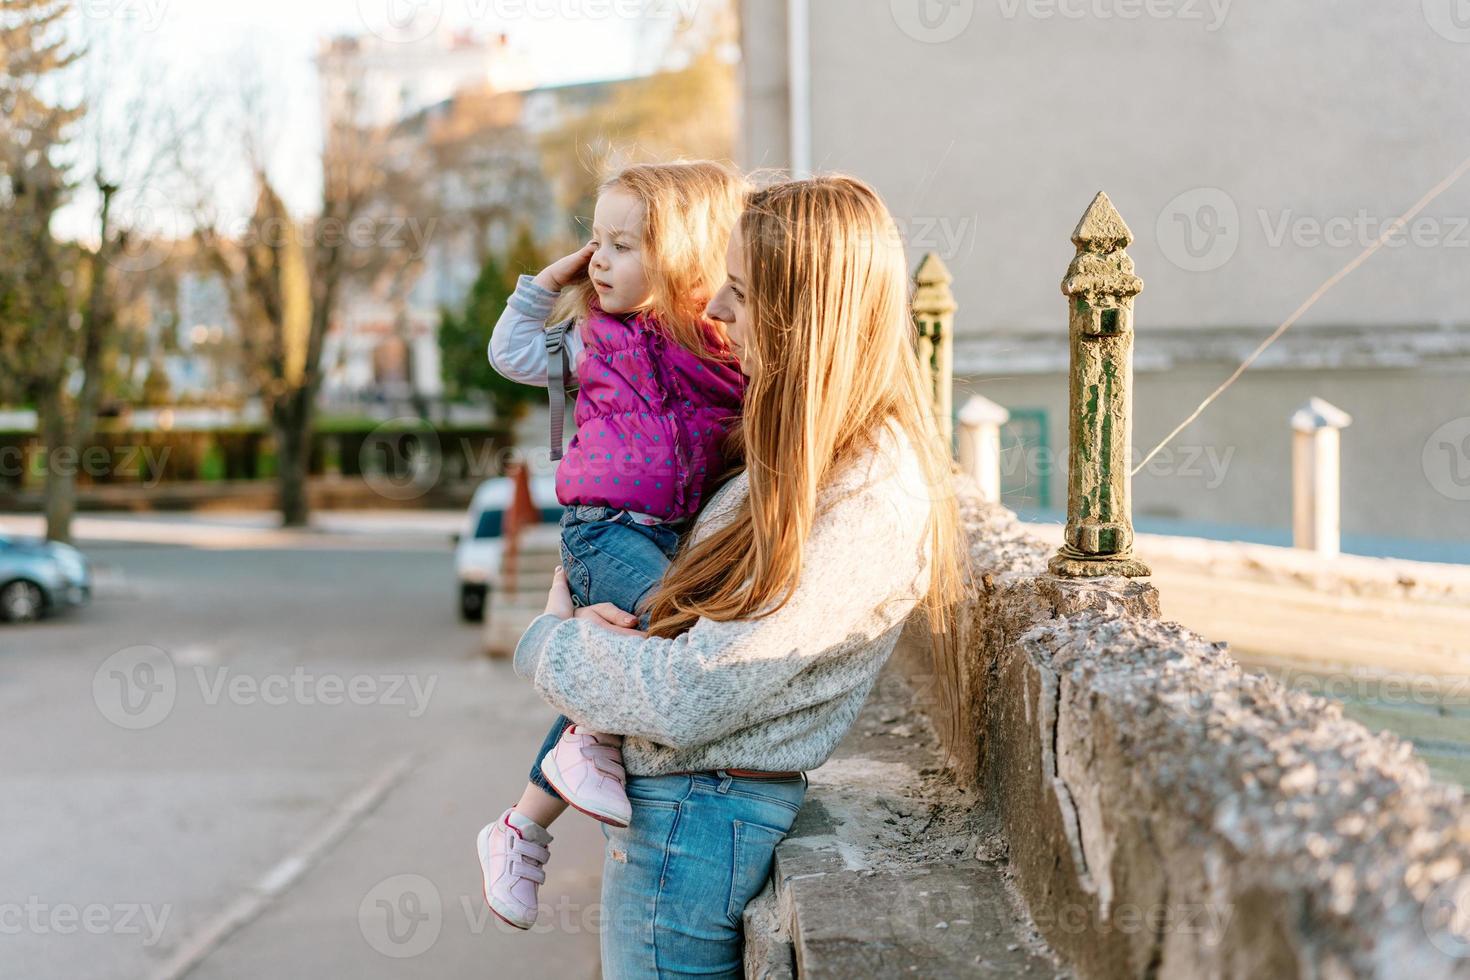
(607, 759)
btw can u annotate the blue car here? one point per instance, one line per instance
(39, 577)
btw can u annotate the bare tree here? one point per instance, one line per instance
(284, 279)
(39, 335)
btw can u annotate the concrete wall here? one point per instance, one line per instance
(1167, 814)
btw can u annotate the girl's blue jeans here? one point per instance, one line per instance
(676, 880)
(609, 557)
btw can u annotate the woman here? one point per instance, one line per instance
(789, 593)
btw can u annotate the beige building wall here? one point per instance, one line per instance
(989, 146)
(1255, 147)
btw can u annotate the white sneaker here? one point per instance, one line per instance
(513, 851)
(586, 769)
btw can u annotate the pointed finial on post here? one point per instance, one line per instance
(1102, 228)
(1100, 286)
(934, 309)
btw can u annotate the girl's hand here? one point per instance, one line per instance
(564, 271)
(559, 599)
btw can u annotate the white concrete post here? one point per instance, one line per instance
(980, 422)
(1316, 476)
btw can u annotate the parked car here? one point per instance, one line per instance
(39, 577)
(479, 546)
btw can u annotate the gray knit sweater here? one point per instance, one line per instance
(775, 693)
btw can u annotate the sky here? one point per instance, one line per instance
(184, 51)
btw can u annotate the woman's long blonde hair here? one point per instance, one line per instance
(688, 211)
(831, 351)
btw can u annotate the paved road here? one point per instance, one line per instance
(269, 757)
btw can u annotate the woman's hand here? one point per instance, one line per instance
(566, 270)
(610, 616)
(559, 604)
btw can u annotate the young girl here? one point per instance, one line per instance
(659, 393)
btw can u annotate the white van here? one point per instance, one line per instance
(479, 546)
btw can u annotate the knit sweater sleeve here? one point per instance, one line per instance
(720, 677)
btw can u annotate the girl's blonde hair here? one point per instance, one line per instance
(831, 351)
(688, 211)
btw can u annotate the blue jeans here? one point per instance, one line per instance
(609, 557)
(676, 880)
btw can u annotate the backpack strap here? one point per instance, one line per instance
(559, 380)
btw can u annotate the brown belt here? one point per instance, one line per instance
(738, 773)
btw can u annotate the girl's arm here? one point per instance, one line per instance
(860, 578)
(518, 343)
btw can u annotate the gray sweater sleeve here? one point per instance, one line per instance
(518, 343)
(722, 677)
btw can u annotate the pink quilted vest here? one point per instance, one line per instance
(651, 418)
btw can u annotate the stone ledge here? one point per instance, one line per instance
(1169, 814)
(890, 869)
(1341, 575)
